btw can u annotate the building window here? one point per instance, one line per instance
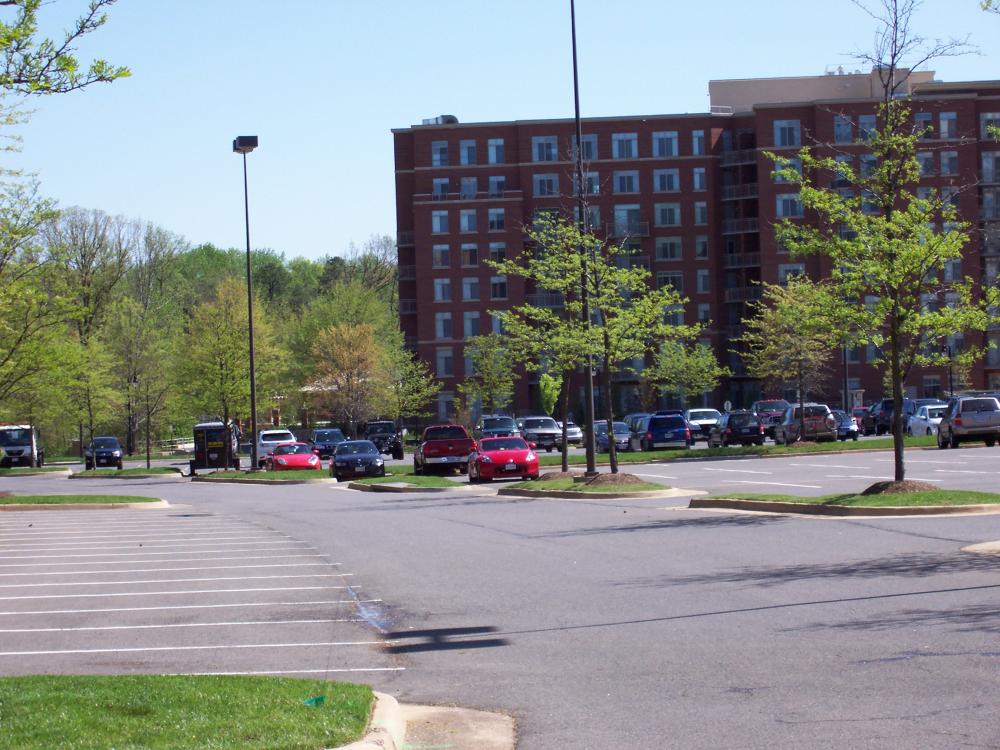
(470, 255)
(544, 148)
(868, 162)
(545, 185)
(987, 121)
(442, 325)
(699, 181)
(439, 153)
(446, 406)
(442, 290)
(866, 127)
(498, 287)
(666, 180)
(948, 125)
(498, 184)
(470, 289)
(665, 143)
(494, 151)
(949, 197)
(991, 166)
(674, 279)
(439, 222)
(466, 152)
(953, 270)
(787, 133)
(445, 362)
(591, 183)
(470, 186)
(843, 129)
(674, 315)
(439, 188)
(593, 216)
(701, 247)
(624, 145)
(794, 164)
(949, 162)
(668, 248)
(496, 325)
(700, 213)
(470, 324)
(698, 142)
(926, 161)
(704, 312)
(991, 205)
(923, 125)
(497, 219)
(667, 214)
(498, 252)
(441, 256)
(589, 147)
(626, 182)
(787, 270)
(788, 206)
(703, 281)
(467, 220)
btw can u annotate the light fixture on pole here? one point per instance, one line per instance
(244, 144)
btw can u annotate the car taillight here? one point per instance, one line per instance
(760, 429)
(649, 436)
(957, 421)
(729, 430)
(687, 433)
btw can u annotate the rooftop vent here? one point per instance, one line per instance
(440, 120)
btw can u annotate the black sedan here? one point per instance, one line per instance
(104, 451)
(356, 458)
(327, 440)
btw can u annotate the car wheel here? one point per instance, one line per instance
(88, 465)
(548, 449)
(472, 474)
(941, 444)
(786, 440)
(854, 436)
(990, 442)
(930, 431)
(909, 431)
(417, 470)
(398, 455)
(119, 465)
(382, 472)
(954, 440)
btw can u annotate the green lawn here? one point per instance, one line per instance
(405, 474)
(127, 472)
(28, 470)
(569, 484)
(183, 712)
(751, 450)
(896, 499)
(296, 474)
(65, 499)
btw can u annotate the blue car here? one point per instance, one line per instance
(665, 431)
(621, 433)
(847, 427)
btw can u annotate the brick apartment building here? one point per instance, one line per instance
(692, 192)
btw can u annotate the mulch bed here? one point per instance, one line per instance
(614, 480)
(559, 475)
(891, 488)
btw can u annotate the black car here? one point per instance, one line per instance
(104, 451)
(386, 437)
(740, 426)
(327, 440)
(357, 458)
(496, 426)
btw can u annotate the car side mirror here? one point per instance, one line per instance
(270, 453)
(532, 445)
(316, 451)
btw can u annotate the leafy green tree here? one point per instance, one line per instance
(412, 386)
(350, 379)
(685, 370)
(491, 381)
(548, 392)
(93, 398)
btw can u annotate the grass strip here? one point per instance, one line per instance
(296, 474)
(570, 485)
(893, 500)
(74, 499)
(128, 472)
(184, 712)
(28, 470)
(630, 457)
(411, 480)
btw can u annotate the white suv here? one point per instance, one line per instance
(267, 440)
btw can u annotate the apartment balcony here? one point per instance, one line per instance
(627, 229)
(734, 158)
(734, 332)
(741, 260)
(407, 273)
(407, 307)
(742, 294)
(739, 192)
(404, 238)
(740, 226)
(551, 300)
(465, 195)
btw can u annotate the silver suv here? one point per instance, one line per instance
(267, 440)
(970, 418)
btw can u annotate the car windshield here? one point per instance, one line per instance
(106, 442)
(772, 405)
(666, 423)
(980, 404)
(621, 428)
(445, 433)
(277, 437)
(328, 436)
(601, 428)
(936, 412)
(356, 447)
(290, 450)
(380, 428)
(498, 423)
(15, 437)
(540, 424)
(503, 444)
(703, 414)
(812, 411)
(742, 420)
(571, 426)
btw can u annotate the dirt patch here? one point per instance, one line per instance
(614, 480)
(559, 475)
(6, 494)
(892, 488)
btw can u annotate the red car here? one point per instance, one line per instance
(503, 457)
(293, 457)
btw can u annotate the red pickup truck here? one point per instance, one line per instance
(443, 446)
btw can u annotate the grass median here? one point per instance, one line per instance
(893, 500)
(629, 457)
(137, 472)
(568, 485)
(405, 475)
(296, 474)
(21, 471)
(183, 712)
(73, 499)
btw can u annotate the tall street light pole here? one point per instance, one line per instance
(588, 377)
(244, 144)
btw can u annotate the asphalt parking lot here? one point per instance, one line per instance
(175, 591)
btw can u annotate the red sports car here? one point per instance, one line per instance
(503, 457)
(293, 456)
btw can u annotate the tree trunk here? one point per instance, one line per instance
(565, 418)
(899, 465)
(226, 451)
(148, 424)
(802, 404)
(610, 416)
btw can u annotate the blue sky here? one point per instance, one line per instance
(322, 83)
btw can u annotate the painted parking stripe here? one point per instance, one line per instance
(773, 484)
(219, 647)
(319, 563)
(145, 554)
(236, 605)
(922, 461)
(167, 546)
(856, 476)
(182, 625)
(167, 580)
(178, 559)
(963, 471)
(826, 466)
(173, 593)
(739, 471)
(658, 476)
(152, 536)
(55, 546)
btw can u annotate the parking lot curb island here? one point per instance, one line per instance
(576, 495)
(386, 728)
(399, 488)
(842, 510)
(82, 506)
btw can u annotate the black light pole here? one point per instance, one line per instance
(588, 381)
(847, 396)
(951, 379)
(244, 144)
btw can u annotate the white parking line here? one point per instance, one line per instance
(161, 537)
(922, 461)
(180, 625)
(169, 570)
(826, 466)
(179, 559)
(160, 546)
(773, 484)
(855, 476)
(236, 605)
(166, 580)
(154, 543)
(148, 649)
(658, 476)
(963, 471)
(142, 554)
(174, 593)
(738, 471)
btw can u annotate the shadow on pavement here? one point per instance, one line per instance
(699, 522)
(443, 639)
(980, 618)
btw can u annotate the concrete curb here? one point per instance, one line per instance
(162, 475)
(58, 473)
(386, 728)
(576, 495)
(210, 478)
(386, 487)
(83, 506)
(842, 510)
